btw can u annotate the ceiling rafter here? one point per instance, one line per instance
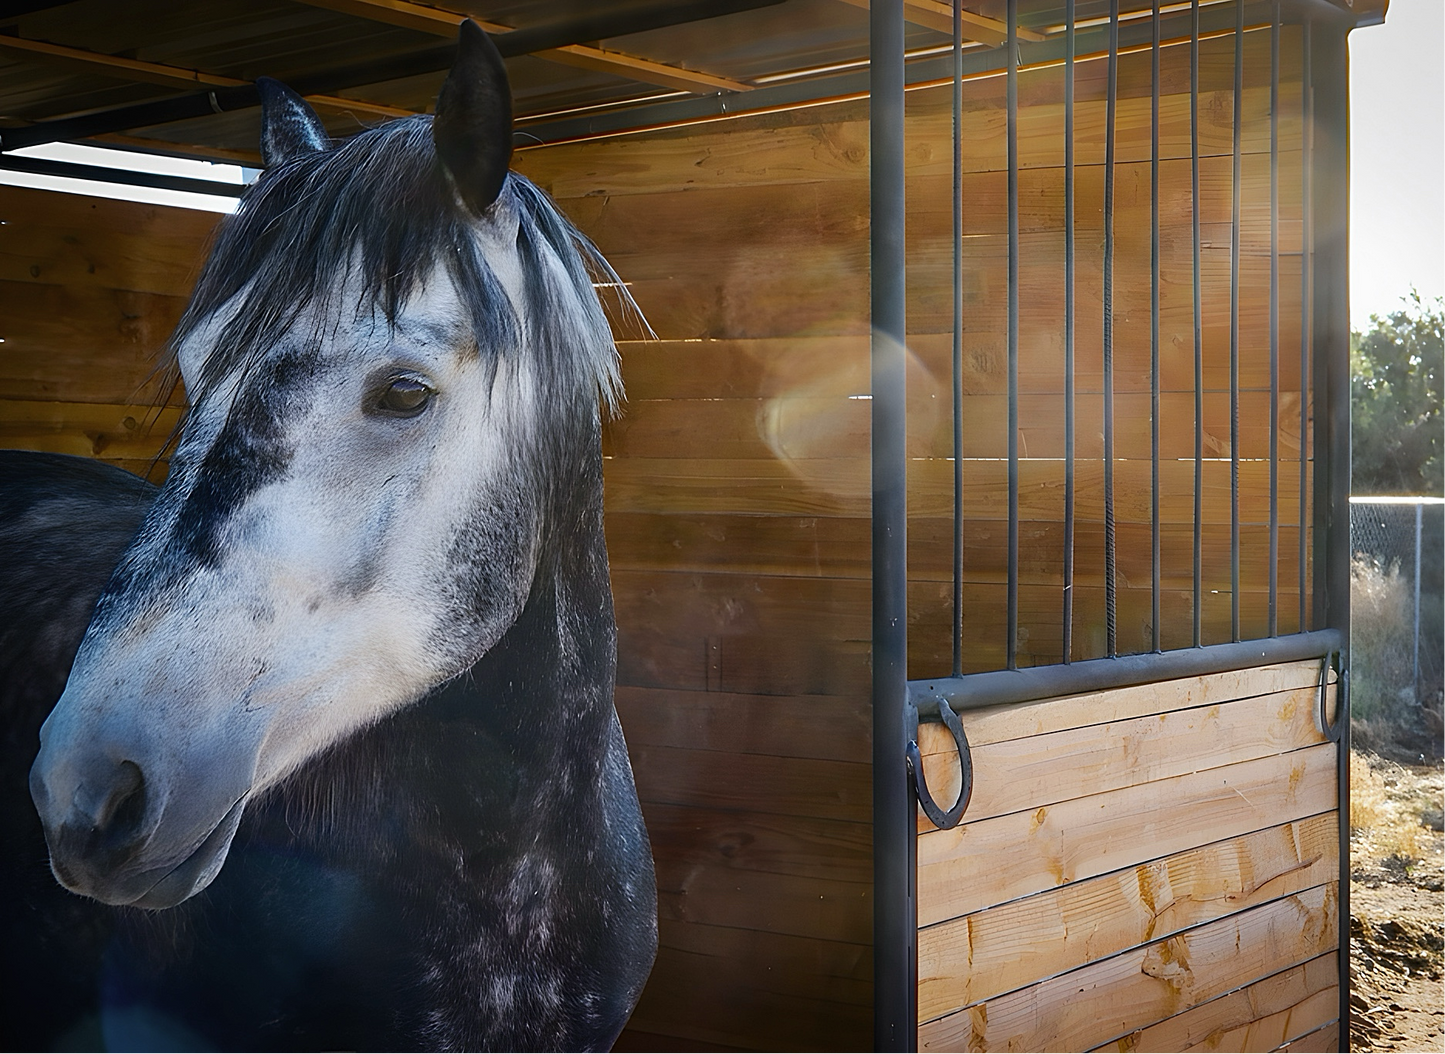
(938, 15)
(444, 23)
(176, 76)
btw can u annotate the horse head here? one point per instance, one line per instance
(393, 358)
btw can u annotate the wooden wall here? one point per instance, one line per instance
(91, 290)
(738, 533)
(1152, 868)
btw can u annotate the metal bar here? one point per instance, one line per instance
(1306, 312)
(1419, 524)
(1068, 619)
(1012, 622)
(1198, 332)
(103, 174)
(1274, 322)
(1234, 324)
(562, 33)
(1110, 598)
(957, 337)
(1329, 217)
(999, 687)
(1154, 332)
(895, 915)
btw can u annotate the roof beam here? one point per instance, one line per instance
(444, 23)
(174, 76)
(322, 82)
(938, 16)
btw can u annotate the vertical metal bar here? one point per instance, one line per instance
(1419, 523)
(957, 338)
(1306, 312)
(1274, 321)
(1234, 325)
(1110, 597)
(1154, 330)
(1198, 331)
(1331, 362)
(895, 919)
(1069, 331)
(1011, 645)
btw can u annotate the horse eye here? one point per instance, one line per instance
(404, 397)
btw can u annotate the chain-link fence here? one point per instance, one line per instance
(1397, 621)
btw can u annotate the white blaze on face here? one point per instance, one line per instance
(381, 551)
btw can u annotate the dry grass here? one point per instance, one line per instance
(1386, 804)
(1381, 638)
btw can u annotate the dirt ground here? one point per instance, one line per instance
(1397, 905)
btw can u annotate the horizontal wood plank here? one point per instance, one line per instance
(1127, 992)
(82, 344)
(75, 240)
(1085, 837)
(991, 952)
(1281, 1030)
(1210, 1022)
(1320, 1040)
(754, 783)
(841, 487)
(728, 839)
(814, 908)
(997, 724)
(1042, 770)
(799, 726)
(748, 990)
(802, 427)
(130, 433)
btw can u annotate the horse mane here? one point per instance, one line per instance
(378, 209)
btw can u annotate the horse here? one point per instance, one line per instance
(336, 762)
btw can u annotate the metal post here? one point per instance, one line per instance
(1068, 643)
(1419, 517)
(1111, 638)
(957, 337)
(1012, 621)
(1330, 329)
(1234, 633)
(895, 925)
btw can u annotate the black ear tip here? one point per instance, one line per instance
(472, 128)
(473, 35)
(271, 89)
(289, 127)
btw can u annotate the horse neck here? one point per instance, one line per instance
(546, 686)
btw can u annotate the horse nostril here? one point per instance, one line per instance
(118, 815)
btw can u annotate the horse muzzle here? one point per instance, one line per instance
(111, 836)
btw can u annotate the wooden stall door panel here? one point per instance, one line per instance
(986, 954)
(1307, 996)
(958, 870)
(1043, 770)
(1119, 995)
(1154, 867)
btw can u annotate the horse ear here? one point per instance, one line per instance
(289, 126)
(472, 129)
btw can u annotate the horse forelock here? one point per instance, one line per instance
(362, 227)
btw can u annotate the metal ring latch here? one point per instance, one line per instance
(1332, 661)
(943, 820)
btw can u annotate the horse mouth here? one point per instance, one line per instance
(197, 870)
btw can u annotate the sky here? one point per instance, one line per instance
(1397, 159)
